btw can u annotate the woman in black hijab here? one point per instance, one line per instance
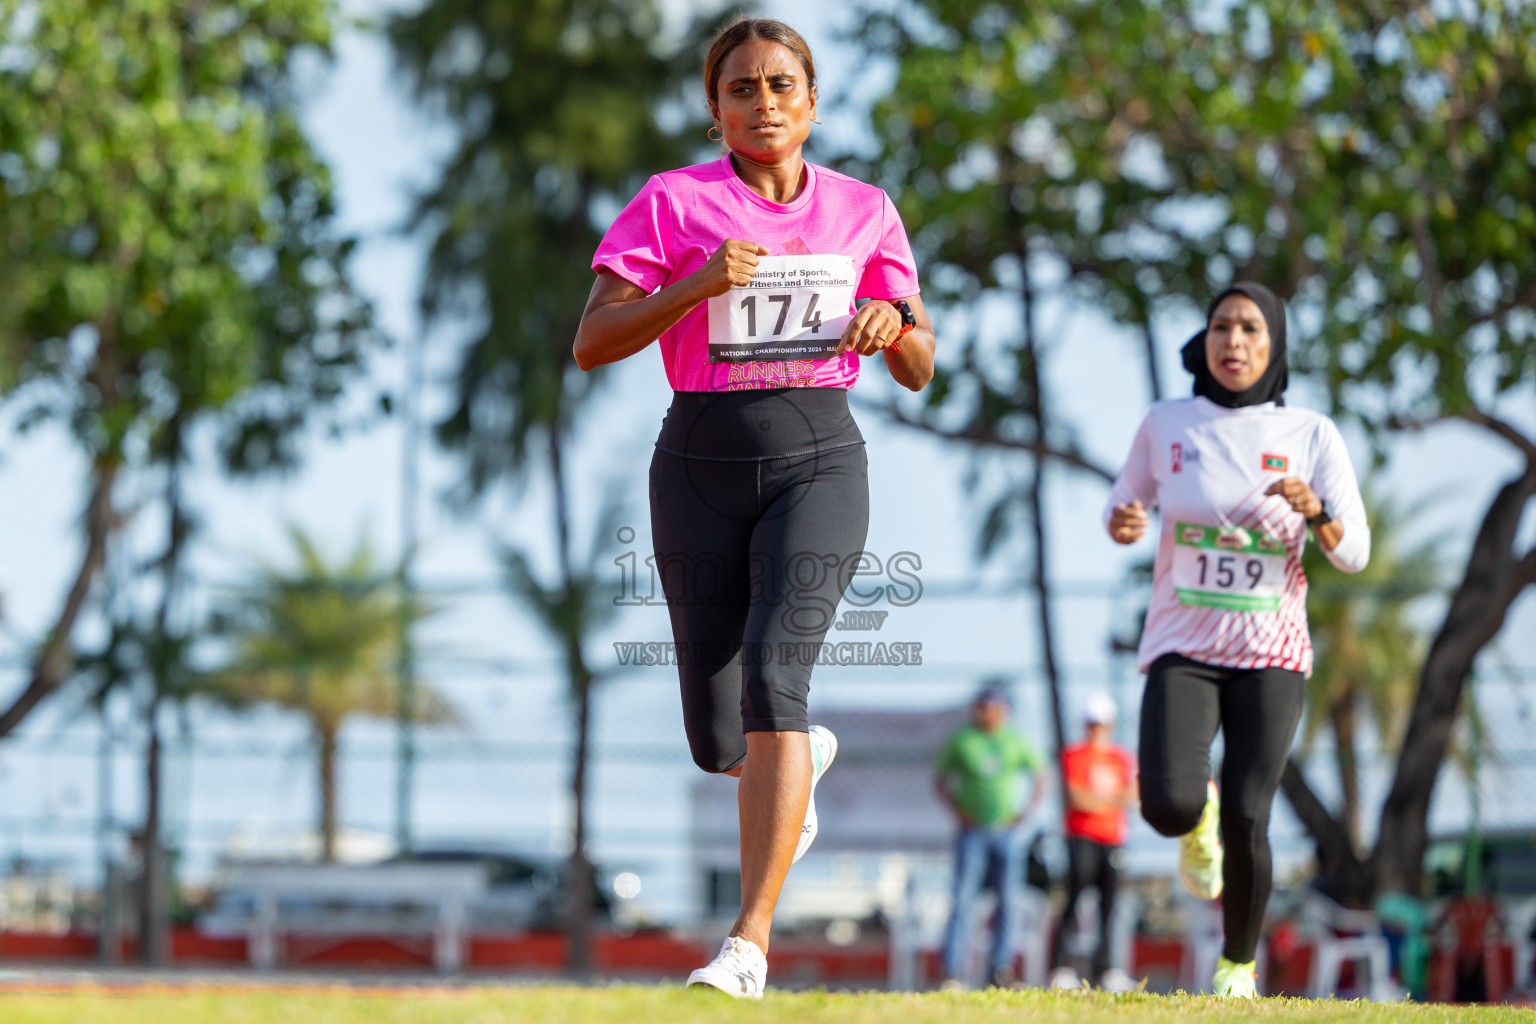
(1271, 383)
(1239, 478)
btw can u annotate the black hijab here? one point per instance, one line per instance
(1270, 387)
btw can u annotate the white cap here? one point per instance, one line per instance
(1099, 709)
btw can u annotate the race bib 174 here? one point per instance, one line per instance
(1235, 569)
(796, 307)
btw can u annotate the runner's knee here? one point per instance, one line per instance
(716, 757)
(715, 740)
(1170, 807)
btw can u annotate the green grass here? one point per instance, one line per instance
(561, 1005)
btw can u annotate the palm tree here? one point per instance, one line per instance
(513, 228)
(1368, 651)
(321, 639)
(572, 608)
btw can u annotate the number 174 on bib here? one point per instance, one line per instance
(796, 307)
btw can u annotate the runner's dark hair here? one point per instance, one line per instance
(746, 30)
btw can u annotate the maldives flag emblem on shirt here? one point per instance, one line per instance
(1275, 463)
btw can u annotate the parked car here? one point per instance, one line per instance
(524, 890)
(499, 890)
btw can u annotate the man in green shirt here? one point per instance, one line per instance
(980, 775)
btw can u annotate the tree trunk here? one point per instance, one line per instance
(1494, 578)
(1154, 377)
(55, 657)
(154, 932)
(165, 670)
(405, 712)
(1034, 403)
(1343, 715)
(581, 873)
(578, 910)
(327, 762)
(1035, 498)
(1341, 873)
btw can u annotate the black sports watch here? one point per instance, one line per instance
(1324, 517)
(908, 320)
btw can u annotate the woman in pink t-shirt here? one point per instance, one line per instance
(748, 269)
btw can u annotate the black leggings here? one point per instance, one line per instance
(1091, 866)
(1257, 710)
(754, 553)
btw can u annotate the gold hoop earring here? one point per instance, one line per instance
(712, 137)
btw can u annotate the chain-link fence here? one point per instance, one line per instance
(244, 788)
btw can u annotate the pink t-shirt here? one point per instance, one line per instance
(677, 221)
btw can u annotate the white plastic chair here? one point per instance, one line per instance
(919, 929)
(1203, 940)
(1521, 918)
(916, 929)
(1341, 936)
(1031, 930)
(1122, 928)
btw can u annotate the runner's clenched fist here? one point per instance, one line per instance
(1298, 495)
(733, 265)
(1127, 523)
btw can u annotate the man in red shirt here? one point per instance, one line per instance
(1100, 785)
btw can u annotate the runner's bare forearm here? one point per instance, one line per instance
(1080, 798)
(912, 366)
(621, 319)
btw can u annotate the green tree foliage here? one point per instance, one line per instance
(558, 107)
(1374, 162)
(168, 256)
(320, 638)
(1369, 160)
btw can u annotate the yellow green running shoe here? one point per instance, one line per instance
(1236, 981)
(1200, 850)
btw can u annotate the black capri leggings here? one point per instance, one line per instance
(759, 512)
(1257, 710)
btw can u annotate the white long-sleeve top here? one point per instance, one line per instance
(1228, 588)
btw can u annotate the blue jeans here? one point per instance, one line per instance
(995, 856)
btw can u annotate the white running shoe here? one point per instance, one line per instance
(740, 971)
(1065, 978)
(1116, 980)
(823, 753)
(1200, 851)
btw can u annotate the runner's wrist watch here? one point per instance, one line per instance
(908, 320)
(1323, 517)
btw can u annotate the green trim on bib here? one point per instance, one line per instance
(1230, 602)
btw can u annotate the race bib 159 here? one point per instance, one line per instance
(795, 308)
(1235, 569)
